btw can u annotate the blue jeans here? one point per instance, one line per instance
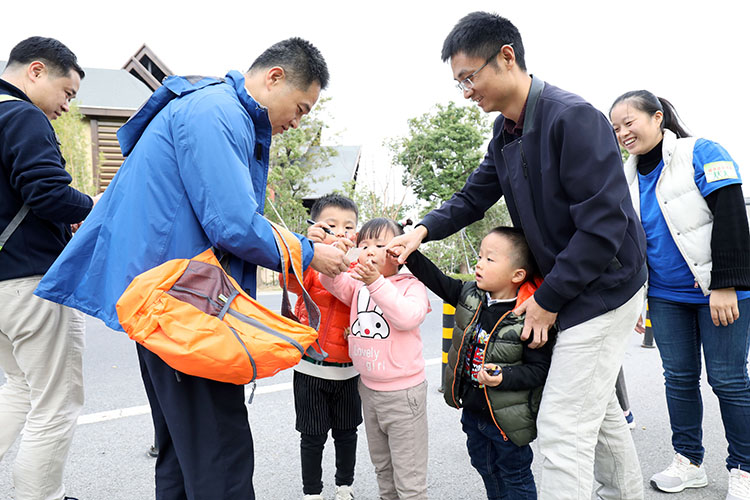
(680, 331)
(505, 468)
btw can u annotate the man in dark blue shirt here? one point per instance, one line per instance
(41, 343)
(555, 161)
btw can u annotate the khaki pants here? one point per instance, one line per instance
(396, 426)
(582, 431)
(41, 354)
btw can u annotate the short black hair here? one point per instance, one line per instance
(53, 53)
(333, 200)
(483, 34)
(523, 258)
(301, 60)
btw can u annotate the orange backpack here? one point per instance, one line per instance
(199, 321)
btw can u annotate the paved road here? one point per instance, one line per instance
(108, 459)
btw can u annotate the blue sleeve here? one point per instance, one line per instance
(215, 141)
(714, 168)
(37, 168)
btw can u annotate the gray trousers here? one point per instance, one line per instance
(41, 353)
(396, 427)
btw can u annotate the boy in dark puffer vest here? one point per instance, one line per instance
(325, 392)
(492, 374)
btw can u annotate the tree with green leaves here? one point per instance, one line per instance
(442, 148)
(295, 156)
(75, 145)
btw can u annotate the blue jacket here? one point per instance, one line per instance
(32, 172)
(564, 185)
(194, 177)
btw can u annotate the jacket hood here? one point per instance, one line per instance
(180, 86)
(528, 288)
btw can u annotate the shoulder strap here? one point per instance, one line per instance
(7, 98)
(18, 218)
(537, 86)
(14, 223)
(290, 250)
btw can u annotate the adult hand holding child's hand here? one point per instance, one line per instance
(407, 242)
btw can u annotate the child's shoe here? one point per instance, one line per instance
(313, 497)
(679, 475)
(630, 420)
(345, 492)
(739, 485)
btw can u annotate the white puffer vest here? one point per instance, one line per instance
(688, 217)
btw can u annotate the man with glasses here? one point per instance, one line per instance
(555, 159)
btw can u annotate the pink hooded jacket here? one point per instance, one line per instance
(385, 344)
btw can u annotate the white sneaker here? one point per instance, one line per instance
(739, 485)
(345, 492)
(313, 497)
(679, 475)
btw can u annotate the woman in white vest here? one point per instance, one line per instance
(688, 194)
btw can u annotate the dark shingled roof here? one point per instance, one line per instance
(110, 89)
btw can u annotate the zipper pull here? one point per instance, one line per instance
(252, 393)
(223, 298)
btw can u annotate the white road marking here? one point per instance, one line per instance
(105, 416)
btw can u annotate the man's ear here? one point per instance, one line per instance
(274, 76)
(519, 276)
(35, 70)
(507, 55)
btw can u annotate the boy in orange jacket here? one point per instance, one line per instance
(325, 392)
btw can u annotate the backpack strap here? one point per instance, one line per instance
(13, 225)
(290, 250)
(18, 218)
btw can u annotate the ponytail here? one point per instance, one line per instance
(672, 120)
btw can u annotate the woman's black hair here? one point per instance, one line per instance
(647, 102)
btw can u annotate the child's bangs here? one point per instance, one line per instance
(373, 228)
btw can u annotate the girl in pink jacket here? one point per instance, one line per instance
(386, 348)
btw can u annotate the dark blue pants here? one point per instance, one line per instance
(681, 332)
(203, 434)
(505, 468)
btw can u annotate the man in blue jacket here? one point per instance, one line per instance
(41, 343)
(555, 160)
(194, 177)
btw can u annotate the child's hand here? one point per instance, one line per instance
(366, 272)
(316, 233)
(484, 376)
(343, 244)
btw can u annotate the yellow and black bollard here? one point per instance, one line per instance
(648, 335)
(449, 321)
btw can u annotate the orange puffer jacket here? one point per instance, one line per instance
(334, 316)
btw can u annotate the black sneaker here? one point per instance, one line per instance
(153, 451)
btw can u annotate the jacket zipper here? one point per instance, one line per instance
(458, 359)
(484, 358)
